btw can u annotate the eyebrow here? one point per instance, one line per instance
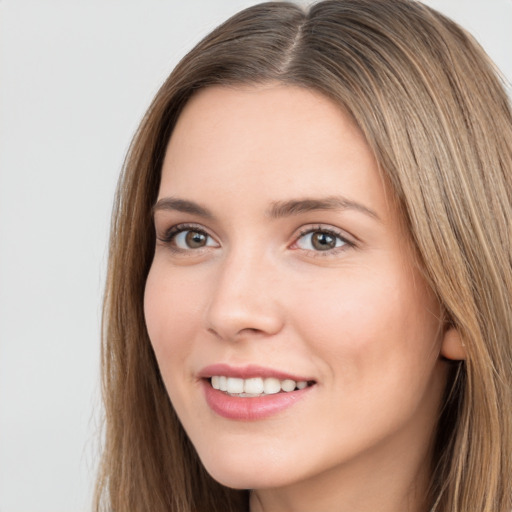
(278, 209)
(298, 206)
(182, 205)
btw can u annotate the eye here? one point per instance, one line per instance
(187, 238)
(320, 240)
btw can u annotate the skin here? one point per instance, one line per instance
(358, 317)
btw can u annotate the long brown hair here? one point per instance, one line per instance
(434, 111)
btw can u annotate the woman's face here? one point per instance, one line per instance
(283, 276)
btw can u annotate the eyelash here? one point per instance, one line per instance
(347, 244)
(170, 234)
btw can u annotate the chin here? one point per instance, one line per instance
(250, 475)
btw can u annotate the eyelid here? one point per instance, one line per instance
(349, 240)
(170, 233)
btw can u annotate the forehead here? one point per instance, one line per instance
(268, 142)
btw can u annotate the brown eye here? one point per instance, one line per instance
(194, 239)
(190, 239)
(320, 240)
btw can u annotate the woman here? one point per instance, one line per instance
(308, 303)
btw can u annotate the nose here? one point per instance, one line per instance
(244, 299)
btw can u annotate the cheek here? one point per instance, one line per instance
(373, 327)
(170, 310)
(377, 341)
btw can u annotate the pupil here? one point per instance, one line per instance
(195, 239)
(323, 241)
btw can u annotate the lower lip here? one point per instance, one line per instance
(250, 409)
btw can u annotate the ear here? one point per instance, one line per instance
(452, 346)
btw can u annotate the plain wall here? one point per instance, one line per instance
(75, 79)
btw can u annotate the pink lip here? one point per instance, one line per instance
(246, 372)
(246, 408)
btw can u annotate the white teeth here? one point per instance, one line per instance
(255, 386)
(271, 386)
(235, 385)
(288, 385)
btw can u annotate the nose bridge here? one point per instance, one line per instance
(243, 300)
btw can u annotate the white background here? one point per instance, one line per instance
(75, 78)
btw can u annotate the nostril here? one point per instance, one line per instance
(231, 316)
(249, 332)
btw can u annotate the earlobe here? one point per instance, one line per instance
(452, 347)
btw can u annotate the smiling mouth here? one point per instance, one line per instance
(256, 386)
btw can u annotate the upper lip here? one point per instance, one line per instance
(247, 372)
